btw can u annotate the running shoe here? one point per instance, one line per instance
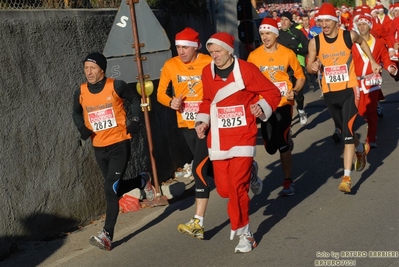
(246, 244)
(345, 185)
(336, 135)
(288, 188)
(102, 240)
(373, 145)
(187, 170)
(361, 158)
(380, 115)
(148, 188)
(192, 228)
(303, 119)
(256, 182)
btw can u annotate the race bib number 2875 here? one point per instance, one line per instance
(231, 117)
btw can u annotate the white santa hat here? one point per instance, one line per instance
(327, 11)
(223, 39)
(270, 25)
(188, 37)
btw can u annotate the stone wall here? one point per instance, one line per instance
(49, 182)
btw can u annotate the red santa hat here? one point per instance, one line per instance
(222, 39)
(379, 7)
(366, 9)
(365, 18)
(188, 37)
(269, 24)
(396, 6)
(327, 11)
(344, 7)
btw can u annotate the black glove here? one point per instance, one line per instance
(133, 127)
(85, 132)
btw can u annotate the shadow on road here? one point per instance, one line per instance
(174, 205)
(321, 162)
(34, 225)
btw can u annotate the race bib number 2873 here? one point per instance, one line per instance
(102, 119)
(189, 110)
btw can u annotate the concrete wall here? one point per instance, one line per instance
(48, 182)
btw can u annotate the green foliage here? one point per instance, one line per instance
(338, 3)
(197, 8)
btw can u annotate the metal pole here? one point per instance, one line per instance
(143, 96)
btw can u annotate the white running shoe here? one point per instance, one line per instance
(246, 244)
(149, 190)
(303, 119)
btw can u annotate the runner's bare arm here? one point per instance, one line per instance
(313, 64)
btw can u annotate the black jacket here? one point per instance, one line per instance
(291, 38)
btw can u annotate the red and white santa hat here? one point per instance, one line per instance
(269, 24)
(365, 18)
(366, 9)
(188, 37)
(223, 39)
(379, 7)
(327, 11)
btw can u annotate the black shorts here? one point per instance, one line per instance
(276, 129)
(343, 111)
(201, 162)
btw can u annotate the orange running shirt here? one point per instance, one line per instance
(186, 81)
(104, 114)
(275, 66)
(336, 58)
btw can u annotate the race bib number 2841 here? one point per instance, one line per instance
(336, 74)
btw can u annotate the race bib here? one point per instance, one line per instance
(282, 86)
(373, 79)
(336, 74)
(102, 119)
(189, 110)
(231, 117)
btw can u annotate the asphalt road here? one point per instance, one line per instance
(318, 226)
